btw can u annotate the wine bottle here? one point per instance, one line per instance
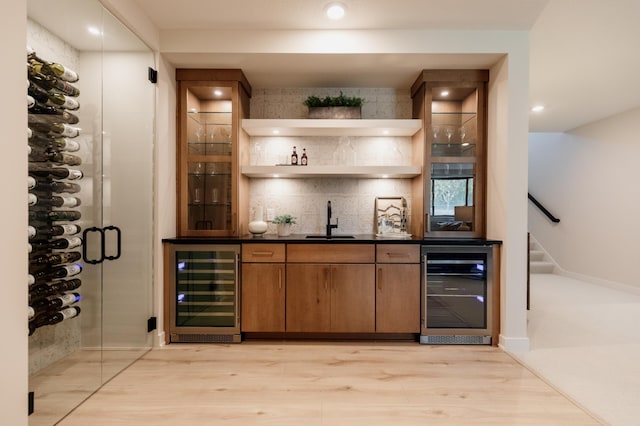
(56, 258)
(52, 304)
(30, 102)
(49, 318)
(44, 289)
(51, 68)
(58, 272)
(54, 231)
(54, 69)
(29, 133)
(294, 157)
(31, 279)
(42, 156)
(60, 244)
(31, 231)
(54, 172)
(50, 98)
(53, 201)
(41, 113)
(54, 216)
(51, 83)
(58, 144)
(54, 186)
(56, 129)
(304, 160)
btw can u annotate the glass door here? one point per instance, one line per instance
(204, 290)
(116, 117)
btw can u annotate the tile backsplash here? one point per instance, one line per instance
(353, 200)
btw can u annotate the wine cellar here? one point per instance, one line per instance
(90, 144)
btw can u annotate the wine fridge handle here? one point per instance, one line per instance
(84, 245)
(118, 242)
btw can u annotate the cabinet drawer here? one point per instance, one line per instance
(331, 253)
(262, 253)
(397, 253)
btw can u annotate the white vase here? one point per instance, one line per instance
(257, 226)
(284, 229)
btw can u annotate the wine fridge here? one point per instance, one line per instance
(457, 294)
(204, 301)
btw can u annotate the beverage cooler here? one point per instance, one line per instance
(203, 293)
(457, 294)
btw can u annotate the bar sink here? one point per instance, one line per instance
(330, 237)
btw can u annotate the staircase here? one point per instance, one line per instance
(539, 261)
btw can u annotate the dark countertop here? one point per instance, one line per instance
(357, 239)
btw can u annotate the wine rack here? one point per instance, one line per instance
(54, 237)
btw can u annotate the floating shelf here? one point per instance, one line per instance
(321, 127)
(331, 171)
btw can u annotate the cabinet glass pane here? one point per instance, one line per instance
(450, 205)
(205, 289)
(454, 123)
(209, 186)
(209, 133)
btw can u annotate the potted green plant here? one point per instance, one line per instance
(334, 106)
(284, 223)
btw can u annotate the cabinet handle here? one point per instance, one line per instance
(379, 279)
(280, 278)
(326, 278)
(262, 253)
(397, 254)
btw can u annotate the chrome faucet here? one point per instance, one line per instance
(329, 225)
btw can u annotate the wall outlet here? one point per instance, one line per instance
(270, 215)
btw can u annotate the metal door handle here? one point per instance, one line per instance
(84, 245)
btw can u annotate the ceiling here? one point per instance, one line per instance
(584, 62)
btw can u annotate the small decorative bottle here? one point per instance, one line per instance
(294, 157)
(304, 160)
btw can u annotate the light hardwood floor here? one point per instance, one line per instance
(324, 383)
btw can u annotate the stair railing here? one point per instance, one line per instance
(542, 208)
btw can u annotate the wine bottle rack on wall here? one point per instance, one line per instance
(54, 237)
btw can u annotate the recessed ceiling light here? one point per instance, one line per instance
(385, 132)
(537, 108)
(335, 11)
(94, 31)
(444, 93)
(217, 92)
(276, 132)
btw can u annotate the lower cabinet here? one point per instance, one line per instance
(330, 288)
(397, 288)
(330, 298)
(263, 295)
(263, 288)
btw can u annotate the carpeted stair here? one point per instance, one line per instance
(539, 261)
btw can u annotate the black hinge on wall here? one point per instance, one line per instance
(152, 323)
(31, 398)
(153, 75)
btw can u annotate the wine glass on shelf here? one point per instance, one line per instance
(449, 132)
(463, 133)
(435, 130)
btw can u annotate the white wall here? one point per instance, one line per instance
(588, 178)
(13, 217)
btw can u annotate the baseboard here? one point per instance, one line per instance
(514, 344)
(599, 281)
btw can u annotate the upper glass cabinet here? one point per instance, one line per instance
(211, 105)
(451, 104)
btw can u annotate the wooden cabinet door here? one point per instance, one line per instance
(398, 298)
(353, 298)
(308, 298)
(263, 297)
